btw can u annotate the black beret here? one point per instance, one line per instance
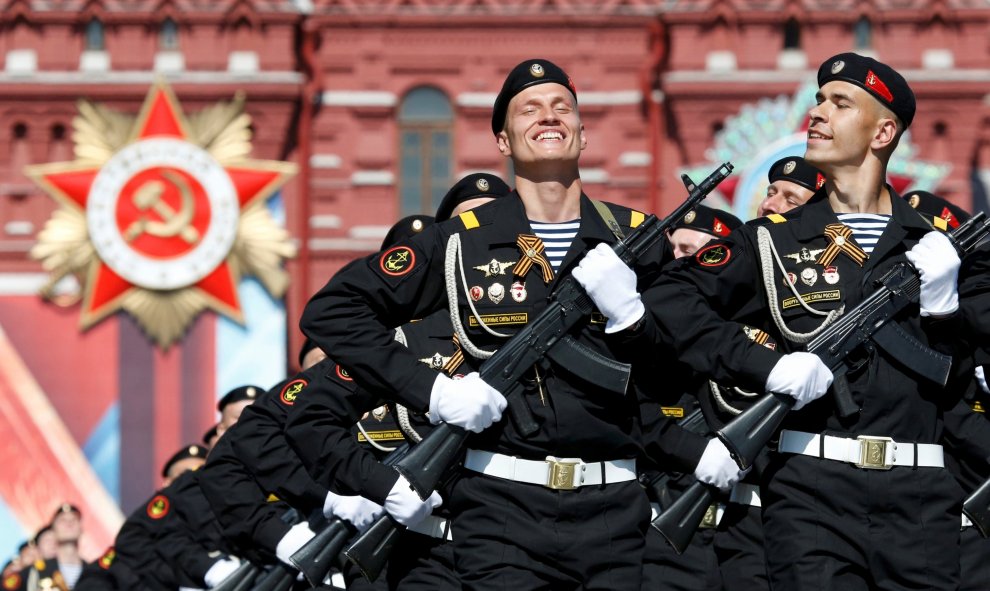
(710, 221)
(529, 73)
(65, 508)
(210, 434)
(878, 79)
(936, 206)
(41, 532)
(479, 184)
(403, 230)
(238, 394)
(796, 170)
(189, 451)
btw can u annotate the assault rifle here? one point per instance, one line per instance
(244, 577)
(977, 508)
(547, 336)
(750, 431)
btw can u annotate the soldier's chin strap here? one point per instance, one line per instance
(769, 256)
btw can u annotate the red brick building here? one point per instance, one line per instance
(384, 103)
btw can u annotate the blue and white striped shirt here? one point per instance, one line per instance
(557, 238)
(866, 228)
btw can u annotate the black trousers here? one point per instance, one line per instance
(832, 526)
(975, 560)
(422, 563)
(695, 570)
(739, 548)
(523, 537)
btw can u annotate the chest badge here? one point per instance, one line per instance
(494, 268)
(790, 279)
(436, 362)
(831, 275)
(496, 292)
(477, 293)
(805, 255)
(809, 276)
(518, 291)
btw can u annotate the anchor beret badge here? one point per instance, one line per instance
(158, 214)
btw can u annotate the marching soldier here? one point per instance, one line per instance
(62, 571)
(835, 519)
(515, 524)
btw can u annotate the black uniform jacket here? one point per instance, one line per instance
(693, 298)
(353, 314)
(136, 543)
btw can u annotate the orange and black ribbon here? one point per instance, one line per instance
(840, 238)
(532, 253)
(455, 360)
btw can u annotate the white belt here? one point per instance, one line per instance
(554, 473)
(435, 527)
(865, 451)
(713, 516)
(745, 494)
(966, 522)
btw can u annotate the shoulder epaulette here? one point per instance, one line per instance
(776, 218)
(940, 223)
(636, 218)
(469, 220)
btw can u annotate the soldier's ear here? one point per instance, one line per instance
(584, 138)
(502, 139)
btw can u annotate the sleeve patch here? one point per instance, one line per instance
(343, 374)
(291, 391)
(158, 507)
(715, 255)
(108, 557)
(397, 261)
(12, 582)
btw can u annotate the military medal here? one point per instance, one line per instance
(841, 240)
(496, 292)
(831, 275)
(494, 268)
(477, 293)
(809, 276)
(790, 279)
(518, 291)
(379, 413)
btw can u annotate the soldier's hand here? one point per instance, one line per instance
(981, 378)
(469, 402)
(612, 286)
(717, 467)
(220, 570)
(938, 266)
(800, 375)
(405, 506)
(292, 541)
(356, 510)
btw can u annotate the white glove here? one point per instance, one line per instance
(716, 466)
(800, 375)
(356, 510)
(611, 284)
(220, 570)
(938, 266)
(469, 402)
(981, 378)
(292, 541)
(405, 506)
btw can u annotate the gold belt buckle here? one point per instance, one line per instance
(562, 474)
(873, 452)
(710, 520)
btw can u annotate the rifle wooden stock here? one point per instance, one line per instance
(977, 508)
(240, 579)
(315, 559)
(280, 577)
(746, 434)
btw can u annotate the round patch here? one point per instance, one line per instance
(713, 256)
(790, 166)
(343, 374)
(477, 292)
(292, 390)
(397, 261)
(536, 70)
(12, 582)
(158, 507)
(837, 66)
(162, 213)
(482, 184)
(914, 201)
(690, 217)
(107, 559)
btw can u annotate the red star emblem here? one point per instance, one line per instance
(161, 212)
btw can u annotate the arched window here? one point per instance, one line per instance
(168, 35)
(94, 35)
(425, 150)
(792, 34)
(863, 33)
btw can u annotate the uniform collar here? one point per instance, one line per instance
(817, 213)
(508, 219)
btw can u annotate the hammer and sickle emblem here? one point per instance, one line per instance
(173, 223)
(397, 261)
